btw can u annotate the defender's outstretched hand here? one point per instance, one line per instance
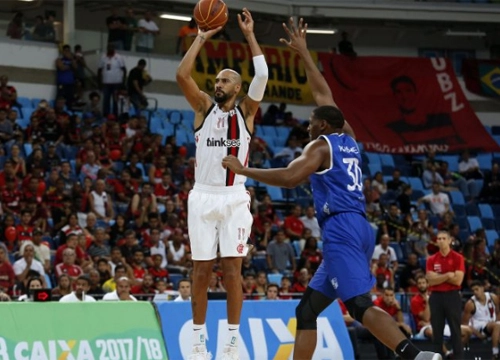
(233, 163)
(296, 35)
(246, 22)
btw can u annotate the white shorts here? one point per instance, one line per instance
(219, 216)
(479, 325)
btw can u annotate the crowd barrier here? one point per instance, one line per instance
(80, 331)
(267, 330)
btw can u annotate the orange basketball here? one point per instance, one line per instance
(210, 14)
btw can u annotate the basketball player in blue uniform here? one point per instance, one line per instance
(332, 161)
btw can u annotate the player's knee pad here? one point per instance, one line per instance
(304, 312)
(358, 305)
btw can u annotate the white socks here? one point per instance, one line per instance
(199, 335)
(232, 338)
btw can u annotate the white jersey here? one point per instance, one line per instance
(484, 313)
(221, 134)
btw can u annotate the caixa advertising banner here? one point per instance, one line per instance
(80, 331)
(267, 330)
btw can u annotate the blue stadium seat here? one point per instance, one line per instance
(452, 161)
(296, 247)
(373, 158)
(471, 209)
(175, 279)
(26, 114)
(274, 278)
(156, 125)
(175, 117)
(24, 101)
(259, 131)
(475, 187)
(283, 132)
(275, 193)
(270, 130)
(484, 160)
(459, 210)
(496, 210)
(387, 160)
(489, 224)
(374, 168)
(464, 235)
(260, 262)
(188, 116)
(22, 123)
(486, 211)
(474, 223)
(491, 237)
(181, 137)
(462, 222)
(457, 197)
(160, 113)
(28, 149)
(398, 250)
(250, 182)
(35, 102)
(416, 183)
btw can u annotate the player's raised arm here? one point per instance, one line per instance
(257, 88)
(199, 100)
(297, 42)
(321, 91)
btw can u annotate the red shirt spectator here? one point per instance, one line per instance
(147, 286)
(294, 227)
(417, 305)
(390, 309)
(72, 271)
(7, 276)
(440, 264)
(80, 255)
(158, 273)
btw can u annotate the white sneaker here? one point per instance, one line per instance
(200, 353)
(428, 355)
(230, 353)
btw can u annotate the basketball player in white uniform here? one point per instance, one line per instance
(219, 206)
(481, 312)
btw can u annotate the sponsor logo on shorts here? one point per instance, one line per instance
(223, 142)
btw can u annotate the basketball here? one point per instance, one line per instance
(210, 14)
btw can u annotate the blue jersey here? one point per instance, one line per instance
(339, 188)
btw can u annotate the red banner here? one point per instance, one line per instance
(405, 105)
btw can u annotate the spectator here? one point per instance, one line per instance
(431, 176)
(293, 226)
(345, 46)
(15, 29)
(8, 94)
(137, 79)
(453, 181)
(188, 31)
(311, 222)
(147, 33)
(184, 290)
(272, 292)
(7, 275)
(33, 283)
(311, 256)
(81, 64)
(384, 248)
(285, 288)
(28, 262)
(409, 274)
(378, 183)
(6, 129)
(111, 74)
(122, 292)
(95, 284)
(50, 32)
(438, 201)
(131, 28)
(146, 287)
(157, 271)
(64, 286)
(491, 188)
(51, 131)
(381, 267)
(68, 265)
(41, 32)
(396, 184)
(99, 249)
(389, 304)
(290, 152)
(302, 282)
(279, 254)
(249, 286)
(80, 294)
(117, 30)
(404, 199)
(469, 167)
(42, 250)
(177, 252)
(120, 271)
(66, 66)
(137, 265)
(261, 283)
(100, 202)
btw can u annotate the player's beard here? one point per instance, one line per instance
(220, 99)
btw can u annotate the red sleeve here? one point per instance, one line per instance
(416, 306)
(429, 266)
(378, 301)
(461, 263)
(136, 289)
(342, 307)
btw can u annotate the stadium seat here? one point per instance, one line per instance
(181, 137)
(485, 211)
(175, 279)
(491, 237)
(464, 235)
(416, 183)
(496, 210)
(175, 117)
(484, 161)
(275, 193)
(259, 131)
(474, 223)
(274, 278)
(475, 187)
(296, 247)
(387, 160)
(374, 168)
(462, 222)
(156, 125)
(260, 262)
(459, 210)
(489, 224)
(373, 158)
(471, 209)
(398, 250)
(269, 130)
(35, 102)
(250, 182)
(457, 197)
(188, 116)
(283, 132)
(28, 149)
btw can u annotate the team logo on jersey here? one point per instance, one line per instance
(224, 142)
(335, 283)
(240, 248)
(349, 150)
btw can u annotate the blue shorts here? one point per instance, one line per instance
(348, 243)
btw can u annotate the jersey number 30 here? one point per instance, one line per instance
(355, 173)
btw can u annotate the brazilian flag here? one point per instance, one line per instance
(482, 77)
